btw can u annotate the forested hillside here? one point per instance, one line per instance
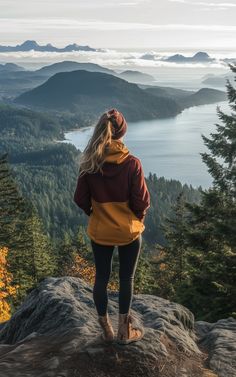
(48, 177)
(47, 173)
(86, 93)
(23, 129)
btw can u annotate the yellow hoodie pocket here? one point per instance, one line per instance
(136, 225)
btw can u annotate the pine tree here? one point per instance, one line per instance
(145, 280)
(66, 253)
(34, 259)
(12, 209)
(222, 144)
(31, 256)
(208, 235)
(44, 262)
(172, 266)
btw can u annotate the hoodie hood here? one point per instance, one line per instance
(117, 152)
(116, 155)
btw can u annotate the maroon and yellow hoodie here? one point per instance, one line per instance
(116, 199)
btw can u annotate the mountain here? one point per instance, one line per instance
(55, 332)
(68, 66)
(217, 80)
(199, 57)
(187, 98)
(202, 97)
(90, 93)
(10, 67)
(167, 91)
(136, 76)
(33, 45)
(229, 60)
(16, 81)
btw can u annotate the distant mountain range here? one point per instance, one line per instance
(187, 98)
(68, 66)
(10, 67)
(217, 80)
(29, 45)
(198, 57)
(179, 58)
(33, 45)
(15, 79)
(136, 77)
(89, 93)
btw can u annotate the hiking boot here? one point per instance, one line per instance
(108, 332)
(128, 332)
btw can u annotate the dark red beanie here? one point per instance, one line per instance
(118, 122)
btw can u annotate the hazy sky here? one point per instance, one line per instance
(120, 23)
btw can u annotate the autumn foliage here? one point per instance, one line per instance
(7, 290)
(83, 269)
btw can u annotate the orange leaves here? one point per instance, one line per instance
(6, 289)
(81, 268)
(162, 266)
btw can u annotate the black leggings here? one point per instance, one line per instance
(128, 259)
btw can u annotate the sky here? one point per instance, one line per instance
(121, 23)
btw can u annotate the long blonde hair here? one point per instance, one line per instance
(93, 156)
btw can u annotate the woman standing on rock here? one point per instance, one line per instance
(112, 191)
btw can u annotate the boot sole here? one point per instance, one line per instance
(128, 341)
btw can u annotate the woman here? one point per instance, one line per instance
(112, 191)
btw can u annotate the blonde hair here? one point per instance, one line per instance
(93, 156)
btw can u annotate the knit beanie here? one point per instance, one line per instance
(119, 125)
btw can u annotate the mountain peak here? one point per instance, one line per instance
(201, 55)
(29, 42)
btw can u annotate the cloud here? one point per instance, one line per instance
(110, 58)
(208, 4)
(68, 24)
(83, 4)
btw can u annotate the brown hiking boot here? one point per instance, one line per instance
(108, 332)
(128, 332)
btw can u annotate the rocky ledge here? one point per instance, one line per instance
(55, 333)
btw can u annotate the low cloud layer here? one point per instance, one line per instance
(115, 58)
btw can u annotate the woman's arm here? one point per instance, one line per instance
(82, 196)
(139, 195)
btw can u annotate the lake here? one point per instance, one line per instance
(168, 147)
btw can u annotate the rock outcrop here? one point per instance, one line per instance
(55, 333)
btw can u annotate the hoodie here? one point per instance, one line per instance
(115, 199)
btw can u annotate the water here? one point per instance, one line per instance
(168, 147)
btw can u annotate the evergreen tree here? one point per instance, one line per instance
(66, 253)
(207, 236)
(31, 255)
(222, 144)
(144, 280)
(44, 261)
(172, 265)
(12, 210)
